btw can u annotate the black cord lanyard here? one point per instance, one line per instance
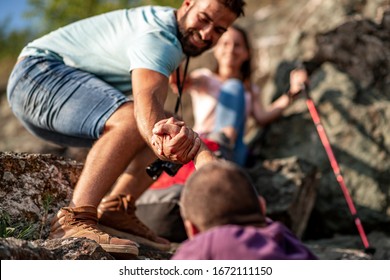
(179, 84)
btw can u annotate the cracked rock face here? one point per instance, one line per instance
(56, 249)
(34, 187)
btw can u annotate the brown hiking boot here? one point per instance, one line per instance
(82, 222)
(117, 216)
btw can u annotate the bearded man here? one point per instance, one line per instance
(102, 82)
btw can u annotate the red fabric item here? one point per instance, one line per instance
(165, 181)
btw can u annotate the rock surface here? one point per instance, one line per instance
(35, 186)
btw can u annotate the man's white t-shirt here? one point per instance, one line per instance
(113, 44)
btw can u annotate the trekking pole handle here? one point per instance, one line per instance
(305, 90)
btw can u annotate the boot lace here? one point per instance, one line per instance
(85, 223)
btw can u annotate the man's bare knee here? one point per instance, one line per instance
(122, 117)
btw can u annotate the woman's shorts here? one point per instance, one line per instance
(59, 103)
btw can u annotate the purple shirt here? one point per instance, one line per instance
(232, 242)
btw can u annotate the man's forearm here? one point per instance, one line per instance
(150, 90)
(145, 123)
(203, 156)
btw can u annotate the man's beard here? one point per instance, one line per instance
(184, 38)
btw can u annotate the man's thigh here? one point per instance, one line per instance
(60, 103)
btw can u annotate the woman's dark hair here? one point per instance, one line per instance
(246, 68)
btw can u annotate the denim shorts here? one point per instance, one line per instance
(230, 111)
(61, 104)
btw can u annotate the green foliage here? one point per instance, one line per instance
(170, 3)
(57, 13)
(19, 231)
(47, 201)
(11, 43)
(4, 222)
(23, 229)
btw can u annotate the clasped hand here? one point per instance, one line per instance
(173, 141)
(298, 79)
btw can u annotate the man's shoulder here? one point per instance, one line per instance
(154, 27)
(157, 16)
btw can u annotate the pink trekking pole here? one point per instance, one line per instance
(336, 169)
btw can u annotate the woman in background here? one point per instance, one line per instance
(223, 99)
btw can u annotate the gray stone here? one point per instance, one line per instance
(289, 188)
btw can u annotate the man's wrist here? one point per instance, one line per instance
(203, 156)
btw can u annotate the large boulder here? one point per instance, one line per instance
(354, 112)
(289, 188)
